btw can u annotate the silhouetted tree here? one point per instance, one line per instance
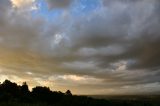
(24, 88)
(25, 93)
(40, 89)
(41, 93)
(9, 91)
(68, 92)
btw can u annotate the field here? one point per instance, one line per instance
(99, 100)
(131, 100)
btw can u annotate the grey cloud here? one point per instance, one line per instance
(133, 26)
(59, 3)
(130, 25)
(5, 6)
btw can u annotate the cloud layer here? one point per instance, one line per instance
(112, 47)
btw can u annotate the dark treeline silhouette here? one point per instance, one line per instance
(12, 94)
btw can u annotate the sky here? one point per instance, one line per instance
(87, 46)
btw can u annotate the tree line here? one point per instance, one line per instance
(12, 94)
(10, 91)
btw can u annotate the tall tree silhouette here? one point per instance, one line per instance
(25, 93)
(24, 88)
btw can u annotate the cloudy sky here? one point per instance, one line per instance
(87, 46)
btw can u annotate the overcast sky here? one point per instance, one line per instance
(87, 46)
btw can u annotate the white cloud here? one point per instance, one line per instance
(24, 4)
(75, 79)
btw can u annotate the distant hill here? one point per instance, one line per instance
(127, 97)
